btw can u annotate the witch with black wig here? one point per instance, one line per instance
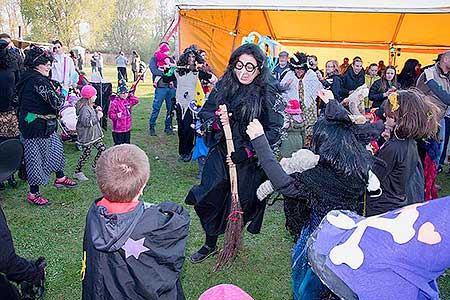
(249, 91)
(338, 181)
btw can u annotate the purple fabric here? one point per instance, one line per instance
(392, 271)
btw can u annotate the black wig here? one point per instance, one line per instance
(263, 87)
(341, 144)
(299, 61)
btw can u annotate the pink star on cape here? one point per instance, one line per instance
(134, 248)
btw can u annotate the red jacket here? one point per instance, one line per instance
(122, 124)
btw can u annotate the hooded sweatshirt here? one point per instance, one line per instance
(123, 106)
(134, 255)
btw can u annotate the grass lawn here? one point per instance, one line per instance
(56, 232)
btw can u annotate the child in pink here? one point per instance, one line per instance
(162, 60)
(120, 114)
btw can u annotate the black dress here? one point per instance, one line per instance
(212, 198)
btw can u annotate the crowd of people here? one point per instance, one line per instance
(346, 148)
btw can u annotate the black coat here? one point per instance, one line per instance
(351, 81)
(135, 255)
(15, 268)
(8, 80)
(376, 94)
(406, 80)
(38, 94)
(212, 198)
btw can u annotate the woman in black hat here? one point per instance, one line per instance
(40, 99)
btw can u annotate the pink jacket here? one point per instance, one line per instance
(122, 124)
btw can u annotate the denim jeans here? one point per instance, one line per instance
(162, 94)
(445, 139)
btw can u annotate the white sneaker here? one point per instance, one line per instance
(80, 176)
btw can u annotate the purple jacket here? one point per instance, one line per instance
(122, 124)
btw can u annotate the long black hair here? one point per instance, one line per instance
(408, 76)
(183, 61)
(253, 95)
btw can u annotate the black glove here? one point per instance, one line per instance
(239, 156)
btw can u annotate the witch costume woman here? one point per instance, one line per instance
(249, 91)
(40, 99)
(338, 181)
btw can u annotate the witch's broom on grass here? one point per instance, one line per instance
(234, 230)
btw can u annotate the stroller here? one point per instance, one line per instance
(68, 119)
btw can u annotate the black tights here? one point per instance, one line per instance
(99, 145)
(211, 241)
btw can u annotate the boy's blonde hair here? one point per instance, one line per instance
(121, 172)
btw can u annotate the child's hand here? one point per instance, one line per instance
(254, 129)
(98, 108)
(119, 115)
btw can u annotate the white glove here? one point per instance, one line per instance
(264, 190)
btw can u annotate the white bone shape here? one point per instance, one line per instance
(401, 228)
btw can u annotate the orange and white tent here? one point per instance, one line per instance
(330, 29)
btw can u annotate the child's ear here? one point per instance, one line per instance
(141, 191)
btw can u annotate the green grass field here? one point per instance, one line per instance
(56, 232)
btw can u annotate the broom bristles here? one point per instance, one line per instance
(233, 236)
(234, 230)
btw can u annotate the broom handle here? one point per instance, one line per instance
(230, 149)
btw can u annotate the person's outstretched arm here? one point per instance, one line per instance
(281, 181)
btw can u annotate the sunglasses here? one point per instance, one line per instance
(249, 67)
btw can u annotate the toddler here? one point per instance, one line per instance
(120, 114)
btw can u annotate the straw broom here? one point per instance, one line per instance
(234, 230)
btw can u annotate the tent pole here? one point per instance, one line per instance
(269, 24)
(236, 30)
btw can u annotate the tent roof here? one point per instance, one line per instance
(219, 26)
(402, 6)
